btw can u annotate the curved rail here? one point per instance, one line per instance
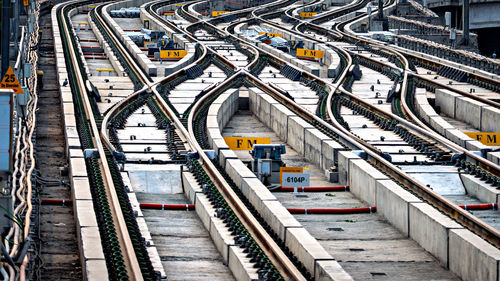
(132, 265)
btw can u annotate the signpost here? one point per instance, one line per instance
(296, 180)
(245, 143)
(289, 170)
(10, 81)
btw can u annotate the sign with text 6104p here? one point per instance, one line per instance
(245, 143)
(289, 170)
(10, 81)
(485, 138)
(295, 179)
(309, 53)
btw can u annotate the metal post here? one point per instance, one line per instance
(380, 9)
(465, 17)
(5, 35)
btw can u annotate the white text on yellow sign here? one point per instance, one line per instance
(245, 143)
(485, 138)
(173, 54)
(309, 53)
(10, 81)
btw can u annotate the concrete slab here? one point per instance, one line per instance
(96, 270)
(430, 228)
(479, 189)
(91, 243)
(446, 101)
(278, 218)
(343, 166)
(279, 120)
(313, 139)
(81, 189)
(296, 133)
(489, 119)
(305, 248)
(330, 270)
(84, 213)
(240, 266)
(363, 179)
(471, 257)
(393, 203)
(155, 178)
(78, 167)
(237, 171)
(468, 110)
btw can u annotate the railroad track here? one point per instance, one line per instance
(126, 254)
(56, 228)
(374, 156)
(269, 247)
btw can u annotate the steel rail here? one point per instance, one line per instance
(133, 269)
(473, 223)
(265, 241)
(268, 245)
(470, 221)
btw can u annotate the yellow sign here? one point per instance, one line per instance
(486, 138)
(169, 13)
(26, 2)
(290, 170)
(307, 14)
(168, 54)
(270, 34)
(309, 53)
(178, 5)
(147, 42)
(10, 81)
(216, 13)
(245, 143)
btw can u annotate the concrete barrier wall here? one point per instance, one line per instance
(288, 229)
(87, 232)
(421, 222)
(232, 255)
(331, 59)
(483, 117)
(478, 188)
(219, 114)
(300, 135)
(140, 57)
(429, 115)
(177, 37)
